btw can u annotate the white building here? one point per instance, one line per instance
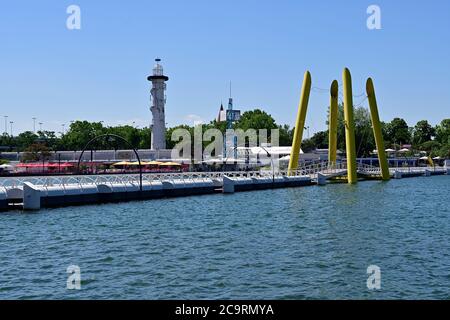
(158, 99)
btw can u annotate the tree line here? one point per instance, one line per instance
(422, 136)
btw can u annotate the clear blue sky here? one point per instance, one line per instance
(263, 47)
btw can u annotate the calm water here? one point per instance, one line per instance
(311, 242)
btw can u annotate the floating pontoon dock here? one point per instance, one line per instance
(33, 193)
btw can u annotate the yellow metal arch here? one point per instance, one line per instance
(385, 175)
(352, 175)
(300, 122)
(332, 122)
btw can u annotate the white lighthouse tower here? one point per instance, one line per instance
(158, 100)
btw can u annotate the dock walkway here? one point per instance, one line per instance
(36, 192)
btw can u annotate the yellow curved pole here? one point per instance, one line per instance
(300, 122)
(332, 122)
(385, 175)
(352, 176)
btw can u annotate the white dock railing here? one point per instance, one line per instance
(325, 168)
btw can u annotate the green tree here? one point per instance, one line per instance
(145, 138)
(320, 140)
(222, 126)
(422, 132)
(36, 152)
(25, 139)
(80, 132)
(286, 135)
(444, 151)
(398, 131)
(364, 140)
(8, 142)
(129, 133)
(432, 147)
(170, 143)
(385, 133)
(256, 119)
(443, 132)
(308, 145)
(50, 139)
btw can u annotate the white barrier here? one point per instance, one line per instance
(31, 197)
(228, 185)
(321, 179)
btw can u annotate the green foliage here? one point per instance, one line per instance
(286, 135)
(80, 133)
(36, 152)
(26, 139)
(320, 140)
(222, 126)
(129, 133)
(308, 145)
(145, 138)
(429, 146)
(256, 119)
(7, 142)
(364, 140)
(169, 143)
(443, 132)
(397, 131)
(422, 132)
(444, 151)
(50, 139)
